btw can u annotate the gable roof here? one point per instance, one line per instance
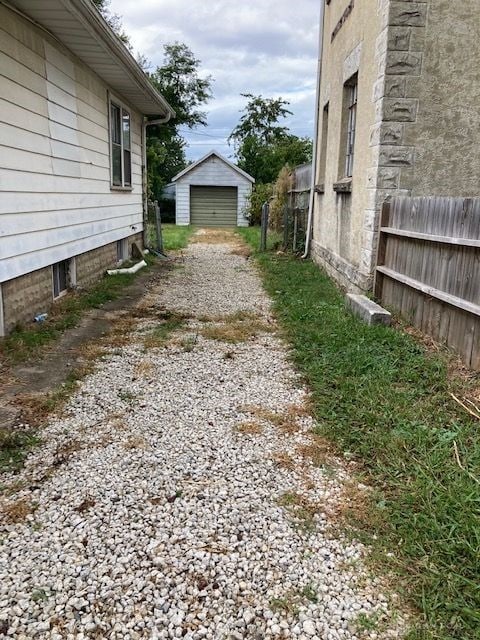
(80, 27)
(193, 166)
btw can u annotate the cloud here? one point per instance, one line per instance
(267, 47)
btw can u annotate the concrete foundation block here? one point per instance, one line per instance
(367, 310)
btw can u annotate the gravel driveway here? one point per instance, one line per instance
(180, 494)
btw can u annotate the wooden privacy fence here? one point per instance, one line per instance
(428, 268)
(296, 211)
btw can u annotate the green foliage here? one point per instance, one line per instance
(113, 20)
(262, 145)
(260, 120)
(180, 82)
(386, 402)
(174, 238)
(14, 446)
(260, 193)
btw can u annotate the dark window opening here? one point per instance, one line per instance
(352, 95)
(60, 277)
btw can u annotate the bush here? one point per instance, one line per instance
(261, 193)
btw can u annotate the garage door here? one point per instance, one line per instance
(213, 206)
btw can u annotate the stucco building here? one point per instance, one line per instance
(399, 114)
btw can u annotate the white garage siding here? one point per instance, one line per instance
(55, 194)
(212, 171)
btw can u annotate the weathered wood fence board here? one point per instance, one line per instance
(428, 268)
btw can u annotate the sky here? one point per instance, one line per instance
(266, 47)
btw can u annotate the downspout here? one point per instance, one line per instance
(148, 123)
(315, 136)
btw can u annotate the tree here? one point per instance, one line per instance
(179, 81)
(260, 120)
(113, 20)
(262, 145)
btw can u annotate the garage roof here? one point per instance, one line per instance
(206, 157)
(81, 28)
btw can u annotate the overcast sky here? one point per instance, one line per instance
(266, 47)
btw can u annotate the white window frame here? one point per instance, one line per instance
(124, 109)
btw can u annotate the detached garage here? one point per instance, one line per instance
(212, 192)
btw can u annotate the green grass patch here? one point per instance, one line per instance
(24, 342)
(14, 447)
(174, 238)
(160, 335)
(381, 397)
(252, 236)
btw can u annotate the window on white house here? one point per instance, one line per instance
(120, 140)
(352, 95)
(60, 274)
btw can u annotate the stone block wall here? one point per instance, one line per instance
(28, 295)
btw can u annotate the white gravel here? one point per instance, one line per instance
(162, 520)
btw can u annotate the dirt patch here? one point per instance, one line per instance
(215, 236)
(99, 328)
(17, 511)
(287, 421)
(235, 328)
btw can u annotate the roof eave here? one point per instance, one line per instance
(98, 27)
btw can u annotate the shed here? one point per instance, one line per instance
(212, 192)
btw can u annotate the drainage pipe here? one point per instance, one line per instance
(315, 135)
(131, 270)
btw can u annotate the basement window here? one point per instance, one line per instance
(60, 276)
(120, 147)
(122, 250)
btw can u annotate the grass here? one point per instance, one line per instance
(159, 336)
(385, 401)
(14, 447)
(25, 342)
(174, 238)
(235, 328)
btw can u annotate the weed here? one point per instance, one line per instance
(158, 337)
(286, 605)
(284, 460)
(285, 421)
(135, 442)
(310, 593)
(85, 505)
(235, 328)
(365, 622)
(14, 447)
(39, 595)
(300, 508)
(383, 398)
(14, 512)
(249, 428)
(126, 396)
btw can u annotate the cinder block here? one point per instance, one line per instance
(367, 310)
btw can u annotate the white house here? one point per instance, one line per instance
(212, 192)
(73, 110)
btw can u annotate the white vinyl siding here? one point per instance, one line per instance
(56, 199)
(213, 172)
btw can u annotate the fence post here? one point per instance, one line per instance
(158, 225)
(381, 250)
(285, 227)
(264, 228)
